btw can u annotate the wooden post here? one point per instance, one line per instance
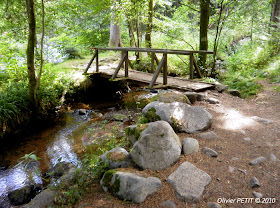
(126, 64)
(165, 69)
(157, 71)
(191, 66)
(153, 63)
(119, 66)
(97, 67)
(197, 68)
(90, 62)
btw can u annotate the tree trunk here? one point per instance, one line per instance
(149, 26)
(115, 32)
(30, 7)
(204, 22)
(42, 45)
(275, 15)
(131, 33)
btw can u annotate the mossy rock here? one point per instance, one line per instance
(133, 132)
(171, 97)
(151, 115)
(110, 182)
(116, 156)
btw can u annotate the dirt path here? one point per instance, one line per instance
(241, 139)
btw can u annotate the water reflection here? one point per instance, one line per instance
(17, 177)
(60, 149)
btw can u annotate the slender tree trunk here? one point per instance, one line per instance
(30, 7)
(204, 22)
(275, 14)
(131, 33)
(149, 26)
(42, 45)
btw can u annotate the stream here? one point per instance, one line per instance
(53, 145)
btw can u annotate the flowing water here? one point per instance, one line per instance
(53, 145)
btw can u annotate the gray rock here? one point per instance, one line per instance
(158, 147)
(208, 135)
(212, 100)
(129, 186)
(231, 169)
(43, 200)
(190, 145)
(82, 111)
(234, 158)
(257, 194)
(168, 204)
(117, 158)
(68, 177)
(221, 88)
(254, 182)
(262, 120)
(213, 205)
(22, 195)
(247, 139)
(189, 182)
(59, 169)
(257, 160)
(234, 93)
(171, 97)
(200, 97)
(210, 152)
(120, 117)
(273, 157)
(133, 132)
(192, 96)
(180, 116)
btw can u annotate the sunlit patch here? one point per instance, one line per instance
(234, 120)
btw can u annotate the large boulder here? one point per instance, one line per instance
(133, 132)
(158, 147)
(165, 96)
(43, 200)
(180, 116)
(189, 182)
(117, 158)
(22, 195)
(129, 186)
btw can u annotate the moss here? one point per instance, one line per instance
(151, 115)
(136, 132)
(112, 188)
(170, 97)
(175, 124)
(116, 156)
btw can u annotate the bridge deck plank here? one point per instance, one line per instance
(174, 82)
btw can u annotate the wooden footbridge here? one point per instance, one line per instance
(152, 79)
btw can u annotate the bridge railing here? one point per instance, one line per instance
(162, 65)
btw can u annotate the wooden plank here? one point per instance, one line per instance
(119, 66)
(90, 62)
(191, 66)
(153, 50)
(157, 72)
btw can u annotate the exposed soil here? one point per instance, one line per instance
(230, 171)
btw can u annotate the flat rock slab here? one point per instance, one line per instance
(129, 186)
(189, 182)
(180, 116)
(262, 120)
